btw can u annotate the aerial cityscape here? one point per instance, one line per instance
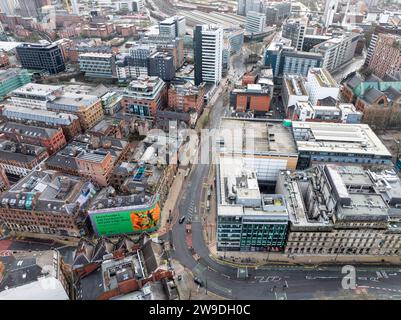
(200, 150)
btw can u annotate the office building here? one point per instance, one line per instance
(310, 41)
(35, 95)
(295, 30)
(19, 159)
(266, 147)
(161, 64)
(247, 220)
(245, 6)
(51, 139)
(319, 142)
(330, 10)
(144, 96)
(12, 79)
(134, 6)
(255, 22)
(276, 12)
(8, 7)
(283, 59)
(293, 91)
(87, 107)
(321, 85)
(253, 97)
(91, 157)
(208, 54)
(98, 65)
(46, 202)
(342, 210)
(173, 27)
(341, 113)
(48, 57)
(184, 96)
(30, 8)
(44, 118)
(337, 51)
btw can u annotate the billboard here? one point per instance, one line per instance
(135, 219)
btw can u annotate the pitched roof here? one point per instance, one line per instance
(371, 95)
(355, 81)
(392, 94)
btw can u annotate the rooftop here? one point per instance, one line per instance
(48, 191)
(269, 137)
(295, 84)
(323, 77)
(26, 130)
(37, 89)
(337, 137)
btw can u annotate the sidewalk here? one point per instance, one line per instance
(171, 201)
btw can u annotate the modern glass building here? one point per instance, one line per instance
(12, 79)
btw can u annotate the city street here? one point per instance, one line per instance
(269, 282)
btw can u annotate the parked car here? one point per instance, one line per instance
(181, 220)
(198, 281)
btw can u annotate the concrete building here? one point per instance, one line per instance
(51, 139)
(134, 6)
(144, 96)
(341, 113)
(342, 210)
(87, 107)
(337, 51)
(253, 97)
(266, 147)
(208, 54)
(44, 118)
(247, 220)
(173, 27)
(323, 142)
(8, 7)
(255, 22)
(98, 65)
(46, 202)
(295, 30)
(283, 59)
(293, 91)
(161, 64)
(276, 12)
(320, 85)
(386, 58)
(11, 79)
(311, 41)
(34, 95)
(330, 10)
(19, 159)
(48, 57)
(245, 6)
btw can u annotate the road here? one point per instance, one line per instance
(269, 282)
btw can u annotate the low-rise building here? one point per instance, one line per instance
(46, 202)
(35, 95)
(161, 64)
(254, 97)
(19, 159)
(51, 139)
(342, 210)
(45, 118)
(184, 96)
(98, 65)
(341, 143)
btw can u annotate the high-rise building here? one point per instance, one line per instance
(8, 6)
(130, 5)
(244, 6)
(329, 12)
(37, 56)
(337, 51)
(30, 8)
(172, 27)
(208, 53)
(295, 30)
(255, 22)
(320, 85)
(161, 64)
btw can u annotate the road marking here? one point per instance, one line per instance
(384, 274)
(211, 269)
(224, 275)
(379, 275)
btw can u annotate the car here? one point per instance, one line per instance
(198, 281)
(181, 220)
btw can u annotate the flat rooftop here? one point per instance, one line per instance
(337, 137)
(37, 89)
(268, 137)
(295, 85)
